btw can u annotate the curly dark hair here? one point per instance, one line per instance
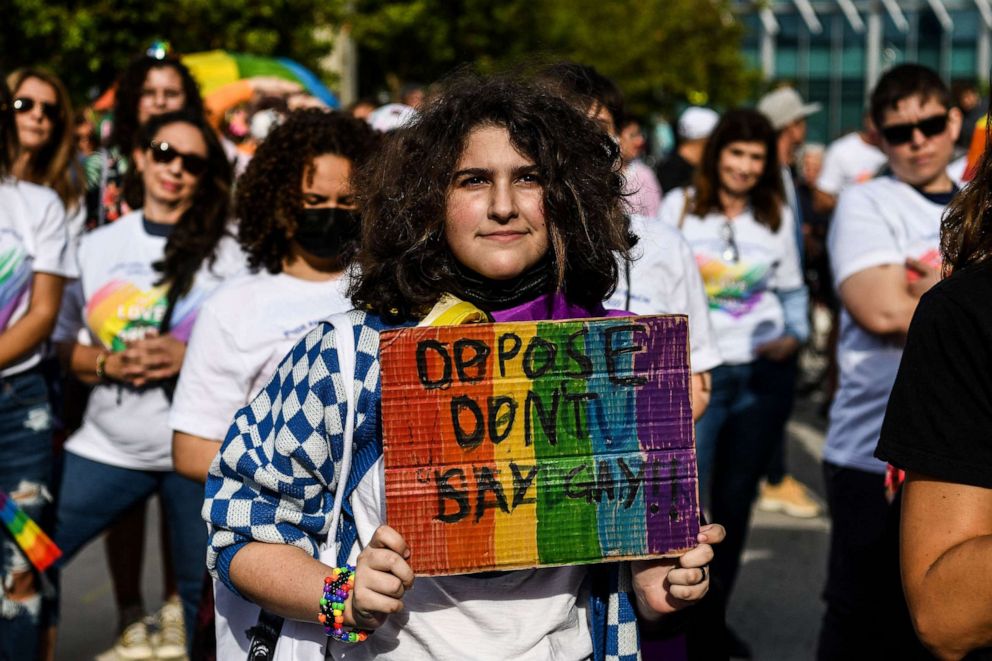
(194, 240)
(405, 263)
(767, 196)
(269, 197)
(586, 88)
(128, 97)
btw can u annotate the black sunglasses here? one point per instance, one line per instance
(25, 104)
(898, 134)
(163, 152)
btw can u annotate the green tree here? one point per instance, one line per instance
(88, 43)
(661, 52)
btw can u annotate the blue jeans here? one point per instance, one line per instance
(735, 440)
(25, 473)
(94, 495)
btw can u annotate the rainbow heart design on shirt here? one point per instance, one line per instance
(121, 312)
(734, 288)
(15, 278)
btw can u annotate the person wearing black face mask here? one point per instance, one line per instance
(327, 232)
(299, 225)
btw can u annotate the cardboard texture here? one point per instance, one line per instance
(539, 443)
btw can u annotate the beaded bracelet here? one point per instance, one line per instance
(101, 365)
(337, 587)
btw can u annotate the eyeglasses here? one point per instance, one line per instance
(26, 104)
(731, 253)
(898, 134)
(163, 152)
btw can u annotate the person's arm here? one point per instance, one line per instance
(281, 493)
(192, 455)
(880, 300)
(37, 323)
(823, 202)
(946, 556)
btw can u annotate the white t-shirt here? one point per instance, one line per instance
(667, 282)
(116, 301)
(744, 310)
(453, 618)
(33, 239)
(241, 334)
(848, 160)
(881, 222)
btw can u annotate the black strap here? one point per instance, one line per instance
(263, 637)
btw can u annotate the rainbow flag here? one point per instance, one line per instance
(527, 444)
(37, 546)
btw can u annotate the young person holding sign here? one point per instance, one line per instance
(503, 195)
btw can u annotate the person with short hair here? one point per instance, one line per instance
(489, 195)
(937, 428)
(884, 253)
(693, 128)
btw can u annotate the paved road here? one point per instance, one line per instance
(776, 607)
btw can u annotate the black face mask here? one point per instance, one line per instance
(326, 232)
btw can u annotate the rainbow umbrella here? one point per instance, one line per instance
(213, 69)
(37, 546)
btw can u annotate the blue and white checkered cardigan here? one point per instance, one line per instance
(275, 476)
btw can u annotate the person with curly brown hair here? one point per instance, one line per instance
(503, 195)
(299, 225)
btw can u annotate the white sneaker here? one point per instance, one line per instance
(171, 631)
(134, 643)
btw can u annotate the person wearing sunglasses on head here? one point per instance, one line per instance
(34, 263)
(740, 230)
(123, 328)
(884, 254)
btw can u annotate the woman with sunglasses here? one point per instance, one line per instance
(34, 262)
(484, 196)
(46, 133)
(152, 84)
(124, 327)
(740, 230)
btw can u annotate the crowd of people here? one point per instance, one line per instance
(191, 297)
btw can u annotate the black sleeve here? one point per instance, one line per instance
(939, 418)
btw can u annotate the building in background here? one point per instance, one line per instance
(833, 51)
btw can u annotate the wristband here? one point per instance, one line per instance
(337, 587)
(101, 365)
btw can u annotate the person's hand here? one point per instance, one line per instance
(273, 86)
(122, 366)
(159, 357)
(922, 278)
(382, 577)
(780, 349)
(670, 584)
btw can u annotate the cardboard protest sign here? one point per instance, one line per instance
(530, 444)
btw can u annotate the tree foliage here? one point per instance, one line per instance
(661, 52)
(88, 43)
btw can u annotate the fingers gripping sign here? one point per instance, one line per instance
(670, 584)
(382, 577)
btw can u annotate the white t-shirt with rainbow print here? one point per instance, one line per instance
(116, 301)
(742, 262)
(33, 239)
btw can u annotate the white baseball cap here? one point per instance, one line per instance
(391, 116)
(784, 106)
(696, 123)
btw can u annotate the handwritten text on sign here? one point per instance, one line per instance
(539, 443)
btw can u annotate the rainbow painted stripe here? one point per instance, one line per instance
(121, 312)
(37, 546)
(533, 444)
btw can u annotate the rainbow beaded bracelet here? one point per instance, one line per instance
(337, 587)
